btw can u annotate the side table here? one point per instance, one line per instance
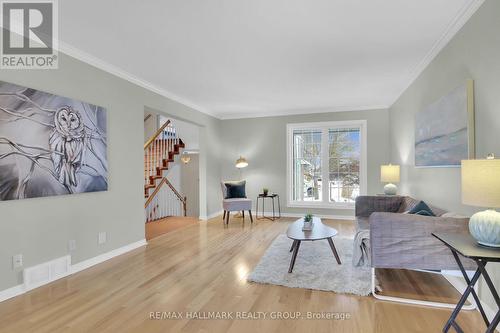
(466, 246)
(272, 197)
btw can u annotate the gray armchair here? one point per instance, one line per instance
(235, 205)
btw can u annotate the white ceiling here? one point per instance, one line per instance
(236, 58)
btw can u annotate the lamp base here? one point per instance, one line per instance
(390, 189)
(485, 228)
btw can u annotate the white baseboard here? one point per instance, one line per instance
(12, 292)
(20, 289)
(106, 256)
(211, 216)
(331, 217)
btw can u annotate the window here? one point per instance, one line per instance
(326, 164)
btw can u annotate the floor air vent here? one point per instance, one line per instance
(47, 272)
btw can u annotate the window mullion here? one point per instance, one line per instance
(325, 159)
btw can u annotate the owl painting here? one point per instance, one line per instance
(50, 145)
(67, 142)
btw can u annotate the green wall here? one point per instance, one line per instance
(263, 142)
(474, 53)
(40, 228)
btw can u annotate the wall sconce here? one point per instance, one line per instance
(185, 158)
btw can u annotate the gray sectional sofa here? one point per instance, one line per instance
(388, 237)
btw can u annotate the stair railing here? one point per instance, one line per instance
(157, 149)
(165, 201)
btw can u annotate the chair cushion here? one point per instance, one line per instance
(237, 204)
(235, 189)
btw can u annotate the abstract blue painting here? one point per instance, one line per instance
(444, 131)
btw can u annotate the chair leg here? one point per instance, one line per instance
(224, 216)
(251, 217)
(243, 214)
(227, 217)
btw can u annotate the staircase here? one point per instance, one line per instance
(161, 197)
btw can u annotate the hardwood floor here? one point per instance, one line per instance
(168, 224)
(203, 267)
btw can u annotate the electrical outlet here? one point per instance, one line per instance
(102, 238)
(71, 245)
(17, 261)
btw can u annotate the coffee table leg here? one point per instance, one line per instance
(334, 250)
(294, 255)
(293, 245)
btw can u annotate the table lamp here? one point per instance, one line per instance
(389, 174)
(481, 187)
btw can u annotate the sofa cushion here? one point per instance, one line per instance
(422, 209)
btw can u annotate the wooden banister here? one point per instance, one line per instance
(160, 150)
(164, 181)
(154, 136)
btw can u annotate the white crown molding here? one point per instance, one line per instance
(114, 70)
(291, 112)
(123, 74)
(455, 25)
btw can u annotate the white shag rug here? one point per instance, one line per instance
(315, 267)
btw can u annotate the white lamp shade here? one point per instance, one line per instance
(389, 173)
(481, 183)
(241, 162)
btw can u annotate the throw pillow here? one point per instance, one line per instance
(422, 209)
(235, 189)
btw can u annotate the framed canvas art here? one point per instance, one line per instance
(444, 131)
(50, 145)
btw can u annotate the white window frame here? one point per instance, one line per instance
(325, 126)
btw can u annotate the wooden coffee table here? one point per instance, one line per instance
(319, 231)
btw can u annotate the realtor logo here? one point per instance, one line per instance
(29, 34)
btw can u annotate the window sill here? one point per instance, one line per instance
(349, 206)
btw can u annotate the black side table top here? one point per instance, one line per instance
(467, 246)
(272, 195)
